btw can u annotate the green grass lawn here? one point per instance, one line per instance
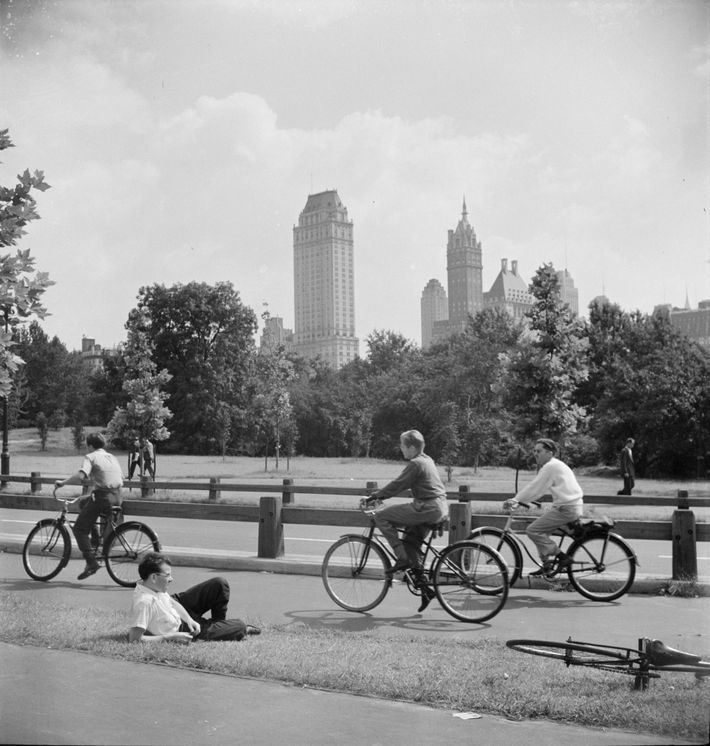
(483, 677)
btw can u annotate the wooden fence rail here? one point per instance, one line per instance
(273, 512)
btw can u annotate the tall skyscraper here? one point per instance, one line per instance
(324, 281)
(434, 307)
(464, 266)
(568, 292)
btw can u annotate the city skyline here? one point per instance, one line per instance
(180, 139)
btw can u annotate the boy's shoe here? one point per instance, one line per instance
(546, 571)
(89, 570)
(428, 596)
(564, 561)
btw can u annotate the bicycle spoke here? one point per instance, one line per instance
(471, 581)
(46, 550)
(603, 567)
(128, 546)
(354, 573)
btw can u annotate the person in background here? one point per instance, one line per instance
(628, 471)
(142, 446)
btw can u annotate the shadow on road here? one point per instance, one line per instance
(363, 622)
(556, 601)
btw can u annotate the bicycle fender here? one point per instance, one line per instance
(136, 524)
(492, 529)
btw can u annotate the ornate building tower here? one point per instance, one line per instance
(464, 265)
(324, 281)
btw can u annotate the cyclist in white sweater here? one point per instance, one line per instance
(557, 479)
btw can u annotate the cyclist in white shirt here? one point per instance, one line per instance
(557, 479)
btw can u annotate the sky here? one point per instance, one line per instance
(182, 138)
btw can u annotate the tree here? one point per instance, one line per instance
(387, 349)
(21, 287)
(650, 382)
(203, 336)
(271, 402)
(145, 413)
(460, 388)
(53, 380)
(545, 371)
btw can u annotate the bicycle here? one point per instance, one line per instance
(469, 579)
(603, 565)
(121, 546)
(651, 658)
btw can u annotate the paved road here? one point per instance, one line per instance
(302, 540)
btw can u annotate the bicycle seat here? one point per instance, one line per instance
(581, 526)
(661, 655)
(438, 528)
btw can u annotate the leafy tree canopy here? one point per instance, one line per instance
(204, 337)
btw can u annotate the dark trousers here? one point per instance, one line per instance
(628, 486)
(211, 596)
(100, 502)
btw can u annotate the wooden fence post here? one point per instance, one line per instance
(370, 487)
(460, 521)
(271, 529)
(287, 495)
(215, 493)
(685, 559)
(463, 493)
(35, 484)
(145, 490)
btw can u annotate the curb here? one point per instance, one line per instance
(303, 565)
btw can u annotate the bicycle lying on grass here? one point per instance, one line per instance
(647, 662)
(603, 565)
(469, 579)
(121, 546)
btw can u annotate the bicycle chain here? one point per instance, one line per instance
(616, 669)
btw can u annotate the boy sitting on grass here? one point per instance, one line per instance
(156, 616)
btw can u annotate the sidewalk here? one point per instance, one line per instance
(46, 693)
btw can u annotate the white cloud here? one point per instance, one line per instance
(155, 184)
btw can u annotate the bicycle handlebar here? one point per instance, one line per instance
(67, 500)
(370, 506)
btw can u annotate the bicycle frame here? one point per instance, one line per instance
(561, 533)
(376, 538)
(105, 523)
(509, 531)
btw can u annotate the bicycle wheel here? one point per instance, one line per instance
(354, 573)
(471, 581)
(608, 657)
(505, 546)
(47, 549)
(603, 567)
(124, 550)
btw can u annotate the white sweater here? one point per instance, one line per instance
(555, 478)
